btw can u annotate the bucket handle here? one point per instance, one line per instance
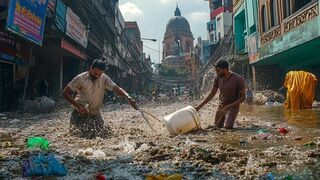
(194, 119)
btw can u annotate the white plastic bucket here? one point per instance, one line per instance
(182, 121)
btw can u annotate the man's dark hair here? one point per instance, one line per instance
(98, 64)
(222, 64)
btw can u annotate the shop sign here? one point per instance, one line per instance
(75, 28)
(69, 47)
(27, 19)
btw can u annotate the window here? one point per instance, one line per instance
(274, 12)
(264, 19)
(286, 8)
(298, 4)
(292, 6)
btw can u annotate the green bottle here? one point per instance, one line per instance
(38, 142)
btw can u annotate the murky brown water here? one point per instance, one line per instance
(303, 118)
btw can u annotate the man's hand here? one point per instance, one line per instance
(82, 110)
(132, 102)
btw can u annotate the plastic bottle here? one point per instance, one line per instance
(38, 142)
(100, 176)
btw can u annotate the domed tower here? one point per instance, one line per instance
(177, 43)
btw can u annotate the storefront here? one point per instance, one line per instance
(13, 58)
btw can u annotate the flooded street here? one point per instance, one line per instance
(133, 151)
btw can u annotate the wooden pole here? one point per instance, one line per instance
(27, 76)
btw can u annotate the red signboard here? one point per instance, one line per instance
(218, 11)
(69, 47)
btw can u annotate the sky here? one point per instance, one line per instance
(153, 15)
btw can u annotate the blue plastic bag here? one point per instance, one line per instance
(40, 165)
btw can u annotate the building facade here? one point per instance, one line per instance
(220, 19)
(178, 45)
(278, 36)
(75, 33)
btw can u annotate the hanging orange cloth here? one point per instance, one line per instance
(301, 87)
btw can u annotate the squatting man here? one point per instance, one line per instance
(232, 93)
(86, 120)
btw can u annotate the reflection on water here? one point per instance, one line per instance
(303, 118)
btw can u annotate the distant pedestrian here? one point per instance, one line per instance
(249, 96)
(232, 93)
(90, 86)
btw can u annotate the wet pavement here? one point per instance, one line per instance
(133, 151)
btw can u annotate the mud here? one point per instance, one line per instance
(133, 151)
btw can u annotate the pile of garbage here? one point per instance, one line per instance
(262, 97)
(39, 105)
(40, 162)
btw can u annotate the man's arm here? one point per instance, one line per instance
(208, 98)
(121, 92)
(67, 94)
(238, 101)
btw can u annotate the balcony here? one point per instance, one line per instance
(290, 23)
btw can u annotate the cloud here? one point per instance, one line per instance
(199, 17)
(130, 10)
(167, 1)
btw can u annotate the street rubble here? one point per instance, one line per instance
(133, 151)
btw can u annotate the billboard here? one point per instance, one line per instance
(26, 18)
(75, 28)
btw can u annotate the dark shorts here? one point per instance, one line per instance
(226, 118)
(89, 126)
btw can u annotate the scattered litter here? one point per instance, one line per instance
(298, 138)
(41, 165)
(165, 177)
(190, 143)
(288, 177)
(310, 144)
(38, 142)
(264, 135)
(6, 144)
(262, 131)
(283, 131)
(268, 176)
(269, 103)
(92, 154)
(100, 176)
(15, 121)
(144, 147)
(243, 142)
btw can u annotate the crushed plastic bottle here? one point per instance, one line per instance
(283, 131)
(38, 142)
(100, 176)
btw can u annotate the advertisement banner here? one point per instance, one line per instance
(60, 20)
(75, 28)
(27, 19)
